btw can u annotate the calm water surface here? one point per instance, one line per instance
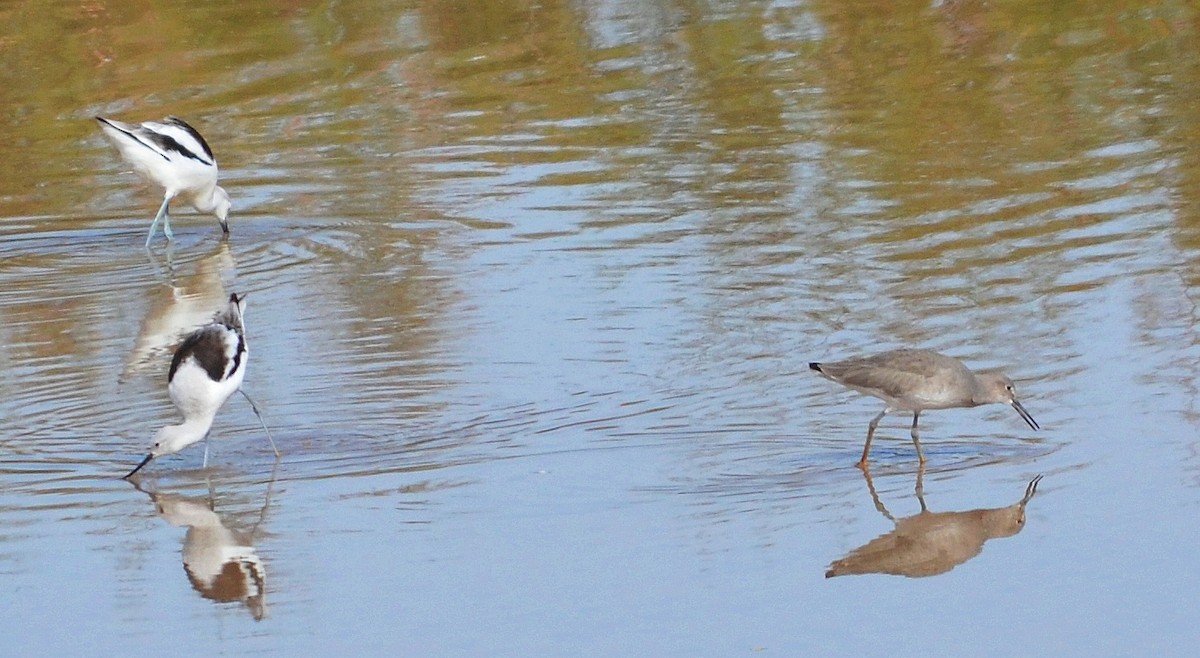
(532, 290)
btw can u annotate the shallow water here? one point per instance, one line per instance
(532, 293)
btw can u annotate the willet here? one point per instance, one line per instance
(206, 369)
(175, 156)
(916, 380)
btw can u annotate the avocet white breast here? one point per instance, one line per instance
(206, 369)
(173, 155)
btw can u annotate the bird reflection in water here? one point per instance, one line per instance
(179, 305)
(931, 543)
(221, 563)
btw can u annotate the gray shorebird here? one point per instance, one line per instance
(916, 380)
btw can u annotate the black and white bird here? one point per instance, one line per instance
(173, 155)
(221, 563)
(206, 369)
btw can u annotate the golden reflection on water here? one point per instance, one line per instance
(931, 543)
(182, 304)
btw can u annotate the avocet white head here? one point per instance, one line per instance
(206, 369)
(173, 155)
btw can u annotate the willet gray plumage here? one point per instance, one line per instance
(916, 380)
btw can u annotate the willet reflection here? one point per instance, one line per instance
(931, 543)
(220, 562)
(179, 307)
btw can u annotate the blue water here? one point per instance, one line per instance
(532, 291)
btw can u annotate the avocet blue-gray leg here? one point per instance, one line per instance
(260, 420)
(162, 214)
